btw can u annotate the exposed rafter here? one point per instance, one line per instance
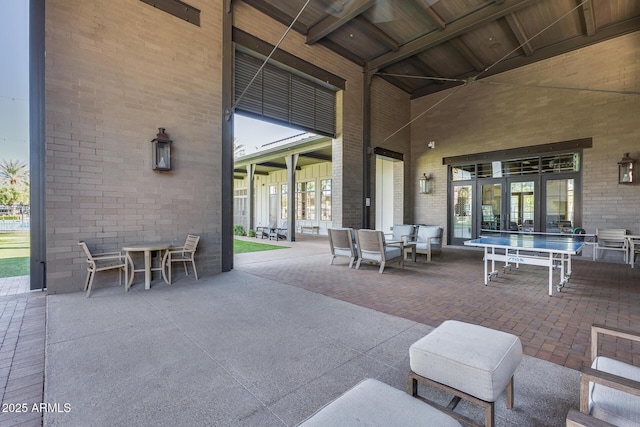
(333, 21)
(588, 18)
(467, 54)
(455, 29)
(518, 31)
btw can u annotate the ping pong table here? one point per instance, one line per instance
(534, 249)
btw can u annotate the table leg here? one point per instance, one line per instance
(133, 272)
(486, 260)
(147, 269)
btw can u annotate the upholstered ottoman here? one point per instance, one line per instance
(469, 361)
(373, 403)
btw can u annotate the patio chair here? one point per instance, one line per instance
(342, 243)
(429, 240)
(610, 388)
(614, 239)
(404, 233)
(280, 232)
(372, 247)
(102, 262)
(265, 232)
(184, 254)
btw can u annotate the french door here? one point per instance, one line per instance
(506, 204)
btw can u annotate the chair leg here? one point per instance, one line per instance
(381, 267)
(351, 259)
(90, 284)
(358, 264)
(195, 272)
(332, 258)
(184, 264)
(86, 282)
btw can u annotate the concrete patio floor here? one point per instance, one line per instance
(285, 333)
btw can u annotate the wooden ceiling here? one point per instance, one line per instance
(425, 46)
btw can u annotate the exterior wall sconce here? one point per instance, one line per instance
(426, 183)
(625, 170)
(161, 145)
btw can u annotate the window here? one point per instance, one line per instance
(284, 189)
(325, 200)
(306, 200)
(273, 204)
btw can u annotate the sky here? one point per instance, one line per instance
(14, 92)
(253, 133)
(14, 80)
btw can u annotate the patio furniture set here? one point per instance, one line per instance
(375, 247)
(477, 364)
(123, 261)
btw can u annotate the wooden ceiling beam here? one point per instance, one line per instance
(333, 21)
(472, 21)
(433, 15)
(518, 31)
(377, 33)
(588, 18)
(467, 54)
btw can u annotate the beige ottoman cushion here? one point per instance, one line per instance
(373, 403)
(476, 360)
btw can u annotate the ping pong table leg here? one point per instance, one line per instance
(486, 260)
(550, 274)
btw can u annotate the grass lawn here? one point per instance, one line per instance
(242, 246)
(14, 254)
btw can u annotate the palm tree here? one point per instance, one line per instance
(14, 183)
(14, 172)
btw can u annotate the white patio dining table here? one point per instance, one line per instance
(147, 248)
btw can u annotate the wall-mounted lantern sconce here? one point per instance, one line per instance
(426, 183)
(625, 170)
(161, 151)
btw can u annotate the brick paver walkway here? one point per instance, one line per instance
(22, 328)
(556, 329)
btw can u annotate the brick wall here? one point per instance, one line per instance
(115, 72)
(484, 117)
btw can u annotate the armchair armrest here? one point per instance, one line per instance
(103, 257)
(578, 419)
(610, 331)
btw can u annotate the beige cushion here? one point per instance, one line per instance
(610, 405)
(373, 403)
(476, 360)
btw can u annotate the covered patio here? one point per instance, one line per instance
(285, 333)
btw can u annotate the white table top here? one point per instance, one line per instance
(149, 246)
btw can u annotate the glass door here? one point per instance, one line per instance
(491, 206)
(522, 206)
(462, 213)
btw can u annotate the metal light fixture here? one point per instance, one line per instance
(625, 170)
(161, 145)
(425, 183)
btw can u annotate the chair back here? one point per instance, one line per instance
(191, 243)
(341, 238)
(403, 232)
(611, 236)
(370, 243)
(86, 250)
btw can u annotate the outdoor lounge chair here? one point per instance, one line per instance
(610, 388)
(184, 254)
(102, 262)
(342, 243)
(372, 247)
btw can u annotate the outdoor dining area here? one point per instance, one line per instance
(164, 252)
